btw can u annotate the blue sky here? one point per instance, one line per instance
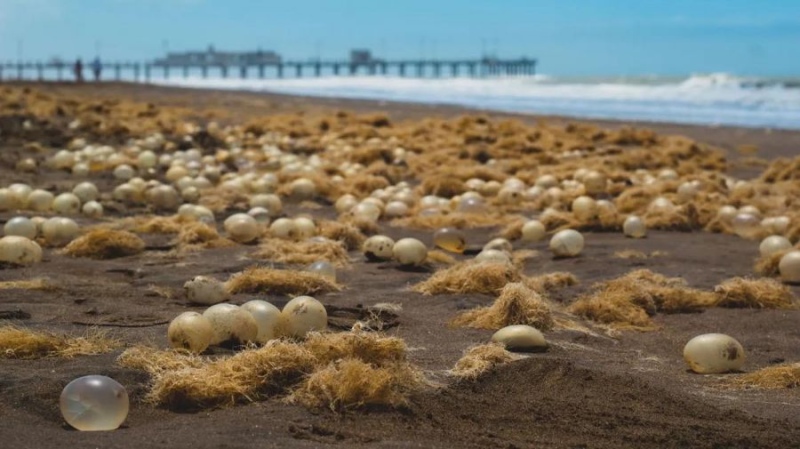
(611, 37)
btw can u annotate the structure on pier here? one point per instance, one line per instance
(216, 58)
(269, 64)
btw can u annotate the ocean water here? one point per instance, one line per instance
(712, 99)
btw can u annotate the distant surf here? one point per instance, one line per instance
(710, 99)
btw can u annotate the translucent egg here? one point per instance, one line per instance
(773, 244)
(493, 256)
(634, 227)
(267, 317)
(205, 290)
(789, 267)
(584, 208)
(746, 225)
(19, 250)
(323, 268)
(500, 244)
(566, 243)
(21, 226)
(191, 331)
(302, 315)
(713, 354)
(231, 323)
(283, 228)
(40, 200)
(533, 231)
(67, 204)
(378, 247)
(94, 403)
(687, 192)
(241, 228)
(409, 251)
(521, 337)
(450, 239)
(58, 231)
(472, 205)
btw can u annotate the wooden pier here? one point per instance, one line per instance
(147, 71)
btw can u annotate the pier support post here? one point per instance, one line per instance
(280, 70)
(419, 69)
(186, 71)
(117, 71)
(336, 69)
(261, 71)
(39, 71)
(166, 71)
(298, 70)
(243, 72)
(224, 69)
(204, 71)
(147, 73)
(402, 69)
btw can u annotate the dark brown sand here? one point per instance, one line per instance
(589, 391)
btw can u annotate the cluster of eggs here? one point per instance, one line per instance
(255, 321)
(18, 244)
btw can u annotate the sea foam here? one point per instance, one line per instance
(715, 99)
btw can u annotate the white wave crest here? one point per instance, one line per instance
(719, 98)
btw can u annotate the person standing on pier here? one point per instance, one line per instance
(97, 68)
(78, 69)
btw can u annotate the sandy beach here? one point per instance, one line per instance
(592, 389)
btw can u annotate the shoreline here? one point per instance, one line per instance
(771, 142)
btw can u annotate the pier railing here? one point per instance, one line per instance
(145, 72)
